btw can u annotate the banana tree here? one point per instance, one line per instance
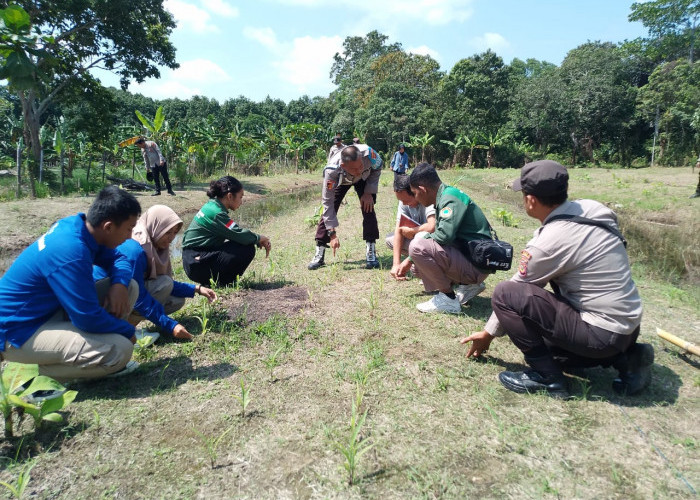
(455, 146)
(492, 140)
(154, 126)
(423, 142)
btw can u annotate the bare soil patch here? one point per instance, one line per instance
(258, 305)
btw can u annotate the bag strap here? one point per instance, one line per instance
(589, 222)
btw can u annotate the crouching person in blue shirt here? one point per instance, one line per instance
(53, 314)
(148, 251)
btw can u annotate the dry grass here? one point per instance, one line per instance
(442, 427)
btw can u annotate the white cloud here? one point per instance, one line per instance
(493, 41)
(265, 36)
(221, 8)
(164, 89)
(308, 62)
(190, 17)
(200, 71)
(304, 62)
(424, 50)
(388, 12)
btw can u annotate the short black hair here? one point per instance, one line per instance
(227, 184)
(424, 175)
(401, 183)
(550, 201)
(113, 204)
(350, 153)
(140, 140)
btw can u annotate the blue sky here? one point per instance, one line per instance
(285, 48)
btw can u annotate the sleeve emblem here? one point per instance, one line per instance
(446, 213)
(330, 184)
(230, 224)
(525, 257)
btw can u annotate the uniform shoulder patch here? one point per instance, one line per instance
(525, 257)
(230, 224)
(446, 213)
(330, 184)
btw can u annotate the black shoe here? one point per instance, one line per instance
(532, 382)
(318, 260)
(171, 192)
(157, 193)
(696, 194)
(637, 374)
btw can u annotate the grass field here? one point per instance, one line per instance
(308, 347)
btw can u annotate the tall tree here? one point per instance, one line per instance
(46, 46)
(672, 25)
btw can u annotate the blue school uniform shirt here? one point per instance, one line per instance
(146, 305)
(56, 272)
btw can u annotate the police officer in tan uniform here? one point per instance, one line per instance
(593, 316)
(357, 166)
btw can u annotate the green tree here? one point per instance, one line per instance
(672, 25)
(45, 48)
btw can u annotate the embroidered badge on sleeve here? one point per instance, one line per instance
(330, 184)
(230, 224)
(446, 213)
(525, 257)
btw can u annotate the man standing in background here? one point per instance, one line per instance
(155, 162)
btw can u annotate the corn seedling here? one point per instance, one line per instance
(354, 446)
(506, 217)
(272, 362)
(244, 398)
(211, 445)
(141, 350)
(312, 220)
(442, 380)
(205, 316)
(17, 489)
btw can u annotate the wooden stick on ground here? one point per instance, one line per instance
(683, 344)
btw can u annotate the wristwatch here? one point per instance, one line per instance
(331, 233)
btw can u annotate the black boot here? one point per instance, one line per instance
(318, 259)
(156, 181)
(545, 376)
(635, 369)
(166, 181)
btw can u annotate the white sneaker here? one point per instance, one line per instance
(147, 338)
(465, 293)
(130, 367)
(440, 303)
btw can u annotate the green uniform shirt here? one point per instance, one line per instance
(458, 218)
(212, 226)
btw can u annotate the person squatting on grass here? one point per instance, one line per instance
(52, 313)
(357, 166)
(156, 164)
(593, 316)
(408, 213)
(438, 256)
(214, 246)
(148, 252)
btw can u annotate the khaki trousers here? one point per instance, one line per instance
(160, 289)
(441, 267)
(64, 352)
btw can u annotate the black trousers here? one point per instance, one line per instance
(540, 322)
(159, 170)
(224, 265)
(370, 229)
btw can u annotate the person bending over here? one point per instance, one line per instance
(156, 164)
(53, 314)
(592, 317)
(440, 256)
(215, 248)
(148, 251)
(411, 219)
(356, 166)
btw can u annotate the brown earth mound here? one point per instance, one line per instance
(258, 305)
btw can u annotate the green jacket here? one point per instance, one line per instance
(458, 218)
(212, 226)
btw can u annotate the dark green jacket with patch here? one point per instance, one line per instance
(458, 218)
(212, 226)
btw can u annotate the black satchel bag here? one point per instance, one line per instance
(492, 255)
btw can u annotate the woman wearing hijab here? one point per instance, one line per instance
(148, 250)
(214, 247)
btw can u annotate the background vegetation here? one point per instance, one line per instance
(607, 104)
